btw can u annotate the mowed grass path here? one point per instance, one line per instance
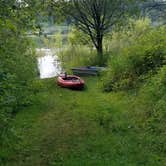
(78, 128)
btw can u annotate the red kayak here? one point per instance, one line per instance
(70, 81)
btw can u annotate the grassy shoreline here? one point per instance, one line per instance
(72, 128)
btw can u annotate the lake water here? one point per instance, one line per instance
(48, 63)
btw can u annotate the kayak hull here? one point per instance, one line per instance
(85, 71)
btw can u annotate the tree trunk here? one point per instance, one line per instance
(100, 49)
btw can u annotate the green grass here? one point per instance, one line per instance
(80, 128)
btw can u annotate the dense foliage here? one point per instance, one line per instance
(151, 105)
(17, 64)
(137, 53)
(138, 64)
(123, 127)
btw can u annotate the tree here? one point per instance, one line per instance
(97, 17)
(155, 9)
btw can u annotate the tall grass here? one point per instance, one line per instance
(79, 51)
(138, 59)
(76, 56)
(149, 113)
(138, 64)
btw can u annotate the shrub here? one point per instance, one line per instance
(137, 61)
(17, 72)
(122, 38)
(150, 113)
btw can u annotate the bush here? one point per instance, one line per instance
(136, 61)
(17, 72)
(116, 41)
(152, 95)
(150, 113)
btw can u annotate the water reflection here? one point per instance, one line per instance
(48, 64)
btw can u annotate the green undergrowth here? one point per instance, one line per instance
(138, 61)
(72, 128)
